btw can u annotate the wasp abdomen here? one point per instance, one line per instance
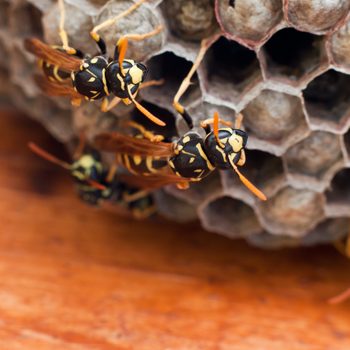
(90, 80)
(191, 160)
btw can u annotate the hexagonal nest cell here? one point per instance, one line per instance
(315, 159)
(284, 64)
(292, 212)
(231, 70)
(338, 195)
(263, 169)
(229, 217)
(327, 101)
(315, 16)
(293, 57)
(250, 31)
(190, 19)
(274, 121)
(173, 70)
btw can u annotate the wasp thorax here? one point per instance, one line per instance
(132, 75)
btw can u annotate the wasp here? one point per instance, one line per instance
(70, 72)
(97, 186)
(190, 158)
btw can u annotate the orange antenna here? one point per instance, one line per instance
(96, 184)
(143, 110)
(216, 121)
(122, 48)
(49, 157)
(248, 184)
(340, 298)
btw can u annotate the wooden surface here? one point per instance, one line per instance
(73, 278)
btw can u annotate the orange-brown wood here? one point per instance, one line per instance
(76, 278)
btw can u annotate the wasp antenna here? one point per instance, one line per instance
(340, 298)
(143, 110)
(49, 157)
(122, 48)
(249, 185)
(96, 184)
(216, 125)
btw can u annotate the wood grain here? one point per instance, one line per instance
(73, 278)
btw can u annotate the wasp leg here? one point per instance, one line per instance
(100, 42)
(113, 20)
(128, 198)
(238, 121)
(205, 124)
(106, 106)
(112, 171)
(151, 83)
(187, 81)
(62, 32)
(140, 214)
(149, 135)
(122, 44)
(76, 102)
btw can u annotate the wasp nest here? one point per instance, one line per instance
(284, 64)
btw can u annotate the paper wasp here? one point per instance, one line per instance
(190, 158)
(98, 187)
(69, 72)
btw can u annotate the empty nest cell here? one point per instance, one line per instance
(274, 121)
(339, 191)
(292, 212)
(231, 70)
(163, 114)
(25, 20)
(173, 70)
(263, 169)
(347, 145)
(190, 19)
(315, 156)
(249, 21)
(293, 56)
(315, 16)
(327, 101)
(229, 217)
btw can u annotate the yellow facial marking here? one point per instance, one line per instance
(94, 60)
(91, 80)
(136, 74)
(236, 142)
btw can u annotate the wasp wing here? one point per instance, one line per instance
(154, 181)
(119, 143)
(52, 55)
(54, 88)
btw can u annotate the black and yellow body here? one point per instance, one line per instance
(196, 158)
(98, 78)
